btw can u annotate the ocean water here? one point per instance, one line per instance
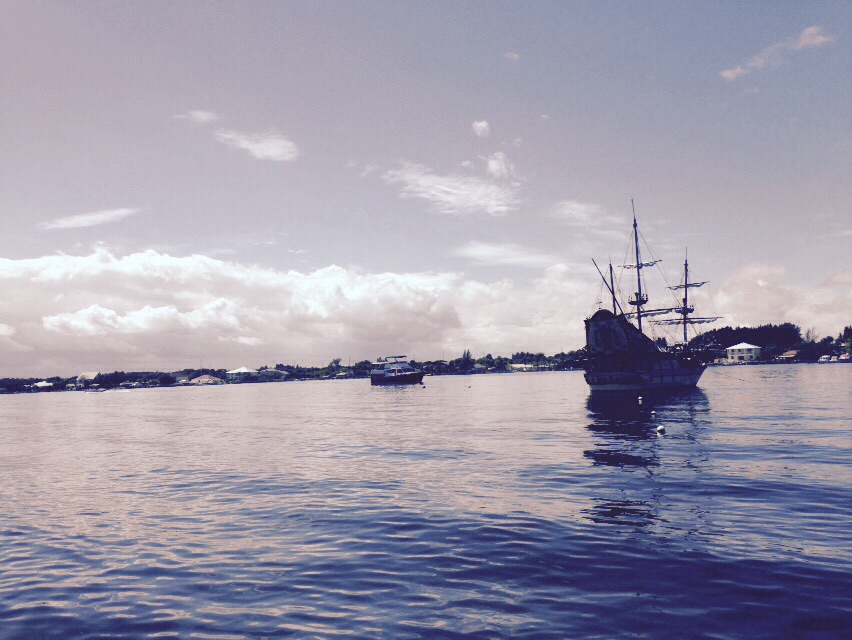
(474, 507)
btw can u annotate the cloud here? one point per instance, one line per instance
(811, 37)
(92, 219)
(198, 116)
(511, 55)
(840, 278)
(757, 294)
(263, 146)
(454, 194)
(505, 254)
(97, 320)
(150, 309)
(498, 166)
(590, 218)
(245, 340)
(481, 128)
(773, 55)
(103, 311)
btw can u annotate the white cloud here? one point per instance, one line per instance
(481, 128)
(511, 55)
(92, 219)
(244, 340)
(97, 320)
(812, 37)
(505, 254)
(758, 294)
(773, 55)
(151, 309)
(498, 166)
(263, 146)
(154, 310)
(454, 194)
(841, 277)
(591, 219)
(578, 213)
(198, 116)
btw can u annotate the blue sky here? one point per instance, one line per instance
(345, 179)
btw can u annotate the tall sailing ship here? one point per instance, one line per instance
(621, 358)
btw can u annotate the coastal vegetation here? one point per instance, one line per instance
(774, 340)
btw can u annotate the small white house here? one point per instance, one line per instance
(243, 374)
(742, 352)
(85, 379)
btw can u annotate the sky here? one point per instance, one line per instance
(227, 183)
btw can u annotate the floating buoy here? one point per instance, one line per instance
(661, 430)
(653, 413)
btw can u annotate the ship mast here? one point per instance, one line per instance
(612, 288)
(685, 309)
(640, 299)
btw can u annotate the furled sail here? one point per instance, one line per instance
(642, 264)
(650, 313)
(673, 321)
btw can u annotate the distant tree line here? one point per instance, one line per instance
(776, 339)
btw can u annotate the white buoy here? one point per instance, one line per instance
(661, 430)
(653, 413)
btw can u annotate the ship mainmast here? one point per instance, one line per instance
(685, 310)
(612, 288)
(639, 299)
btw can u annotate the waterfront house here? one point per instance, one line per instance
(206, 379)
(85, 379)
(41, 386)
(742, 352)
(788, 356)
(243, 374)
(271, 375)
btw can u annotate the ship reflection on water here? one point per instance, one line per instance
(630, 437)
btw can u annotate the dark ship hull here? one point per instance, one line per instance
(620, 358)
(415, 377)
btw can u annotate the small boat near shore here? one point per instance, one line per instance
(621, 358)
(394, 370)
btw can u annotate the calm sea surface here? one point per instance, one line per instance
(476, 507)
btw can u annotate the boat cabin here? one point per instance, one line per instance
(390, 366)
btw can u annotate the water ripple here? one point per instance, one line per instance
(492, 507)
